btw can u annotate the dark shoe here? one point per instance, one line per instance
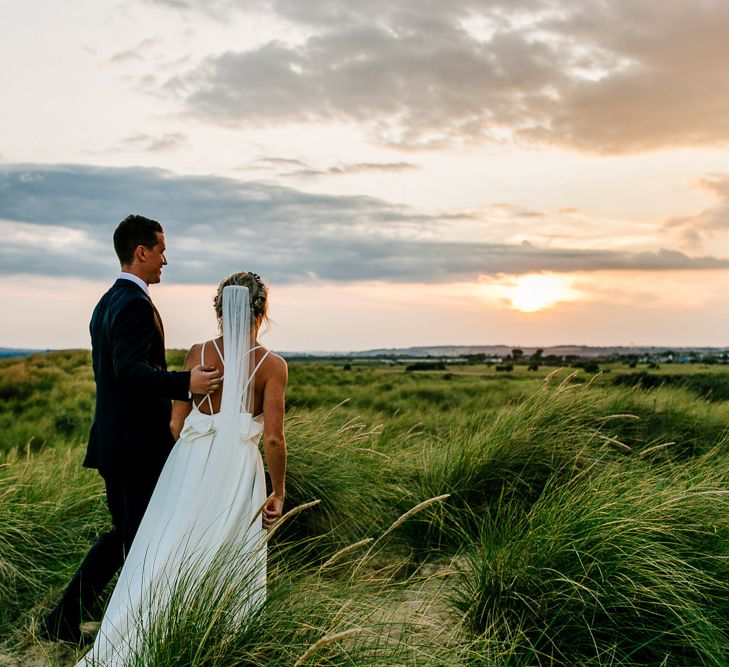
(54, 629)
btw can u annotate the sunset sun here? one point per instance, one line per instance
(533, 292)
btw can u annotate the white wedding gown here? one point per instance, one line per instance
(208, 500)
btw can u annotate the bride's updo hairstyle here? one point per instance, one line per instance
(258, 293)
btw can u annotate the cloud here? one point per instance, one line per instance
(344, 169)
(279, 162)
(215, 9)
(617, 77)
(299, 169)
(710, 221)
(58, 221)
(155, 144)
(133, 54)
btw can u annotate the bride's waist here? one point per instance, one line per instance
(199, 424)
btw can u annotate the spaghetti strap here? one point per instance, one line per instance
(258, 365)
(202, 363)
(222, 360)
(217, 349)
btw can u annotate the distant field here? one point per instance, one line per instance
(49, 397)
(586, 522)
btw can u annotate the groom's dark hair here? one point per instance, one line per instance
(133, 231)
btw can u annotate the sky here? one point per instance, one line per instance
(399, 172)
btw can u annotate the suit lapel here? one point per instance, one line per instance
(158, 322)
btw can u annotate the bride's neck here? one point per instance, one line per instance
(253, 340)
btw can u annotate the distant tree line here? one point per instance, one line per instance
(591, 364)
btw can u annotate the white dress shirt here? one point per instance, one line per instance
(135, 279)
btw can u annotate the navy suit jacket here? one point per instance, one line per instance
(131, 429)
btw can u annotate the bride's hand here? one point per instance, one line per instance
(272, 511)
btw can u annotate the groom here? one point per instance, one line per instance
(130, 437)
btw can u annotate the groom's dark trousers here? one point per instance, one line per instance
(130, 437)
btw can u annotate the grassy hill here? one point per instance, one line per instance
(465, 516)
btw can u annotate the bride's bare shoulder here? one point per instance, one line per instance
(277, 364)
(193, 357)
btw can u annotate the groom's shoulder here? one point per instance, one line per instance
(119, 297)
(123, 291)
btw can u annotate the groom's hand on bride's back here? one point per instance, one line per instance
(205, 379)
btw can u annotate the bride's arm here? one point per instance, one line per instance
(274, 440)
(180, 409)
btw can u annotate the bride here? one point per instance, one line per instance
(211, 495)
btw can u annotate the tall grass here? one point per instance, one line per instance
(585, 523)
(711, 386)
(50, 511)
(428, 400)
(625, 565)
(553, 433)
(45, 398)
(313, 615)
(666, 415)
(550, 436)
(337, 464)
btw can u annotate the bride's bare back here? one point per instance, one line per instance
(269, 389)
(212, 353)
(269, 385)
